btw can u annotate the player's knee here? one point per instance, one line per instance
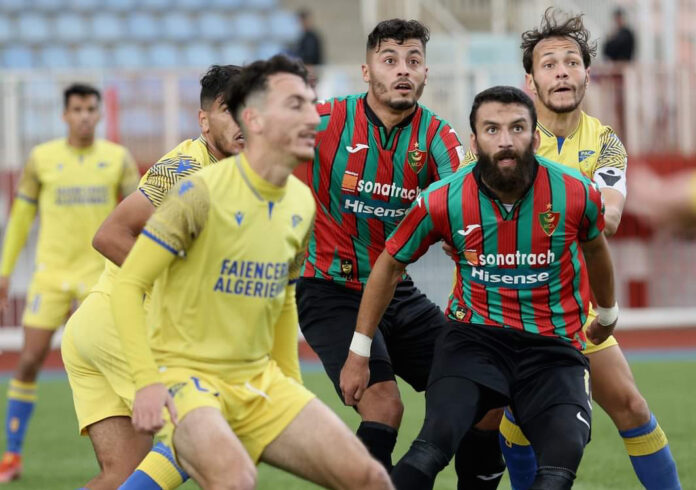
(490, 421)
(382, 405)
(242, 477)
(630, 411)
(29, 365)
(373, 476)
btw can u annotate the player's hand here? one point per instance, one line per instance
(598, 333)
(450, 251)
(4, 292)
(147, 408)
(354, 377)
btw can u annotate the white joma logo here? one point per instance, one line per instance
(356, 148)
(469, 229)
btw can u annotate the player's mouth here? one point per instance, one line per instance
(403, 87)
(307, 138)
(506, 159)
(562, 90)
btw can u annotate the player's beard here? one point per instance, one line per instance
(510, 180)
(400, 104)
(545, 98)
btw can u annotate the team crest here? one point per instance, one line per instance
(549, 220)
(416, 158)
(346, 267)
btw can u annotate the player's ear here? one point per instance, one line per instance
(365, 73)
(203, 121)
(472, 144)
(425, 80)
(536, 140)
(587, 76)
(252, 120)
(529, 82)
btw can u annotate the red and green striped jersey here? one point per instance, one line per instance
(521, 267)
(364, 180)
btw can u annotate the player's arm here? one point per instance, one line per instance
(610, 175)
(599, 267)
(169, 233)
(22, 215)
(446, 151)
(405, 245)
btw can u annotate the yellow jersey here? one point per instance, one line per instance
(75, 189)
(186, 158)
(592, 148)
(235, 245)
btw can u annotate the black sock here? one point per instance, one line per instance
(553, 478)
(406, 477)
(479, 461)
(379, 440)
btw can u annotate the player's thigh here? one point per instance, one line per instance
(321, 456)
(117, 446)
(615, 390)
(327, 314)
(209, 451)
(48, 302)
(94, 396)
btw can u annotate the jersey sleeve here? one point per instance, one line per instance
(610, 171)
(324, 109)
(469, 158)
(162, 176)
(414, 235)
(130, 175)
(181, 217)
(29, 182)
(446, 151)
(592, 223)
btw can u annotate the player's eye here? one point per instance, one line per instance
(517, 129)
(389, 61)
(414, 61)
(491, 130)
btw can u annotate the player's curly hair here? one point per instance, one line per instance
(253, 78)
(399, 30)
(572, 28)
(215, 82)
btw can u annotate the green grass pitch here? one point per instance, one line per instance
(57, 458)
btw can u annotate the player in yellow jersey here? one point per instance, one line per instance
(73, 183)
(97, 369)
(556, 59)
(223, 252)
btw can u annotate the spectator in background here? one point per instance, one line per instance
(309, 46)
(621, 44)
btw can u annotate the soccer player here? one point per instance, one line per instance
(73, 183)
(520, 226)
(225, 249)
(556, 60)
(375, 153)
(97, 368)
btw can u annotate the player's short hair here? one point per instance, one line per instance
(571, 28)
(81, 90)
(253, 78)
(505, 95)
(215, 82)
(399, 30)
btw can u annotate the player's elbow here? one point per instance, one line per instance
(101, 241)
(610, 228)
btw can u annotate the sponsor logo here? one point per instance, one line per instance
(510, 278)
(492, 476)
(238, 217)
(373, 209)
(583, 154)
(471, 257)
(68, 196)
(356, 148)
(185, 187)
(582, 419)
(296, 220)
(468, 229)
(549, 220)
(416, 158)
(351, 183)
(515, 259)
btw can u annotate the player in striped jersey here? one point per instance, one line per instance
(375, 153)
(557, 58)
(73, 183)
(97, 368)
(527, 234)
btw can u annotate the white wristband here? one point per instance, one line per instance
(361, 344)
(607, 316)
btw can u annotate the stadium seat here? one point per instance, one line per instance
(55, 57)
(18, 56)
(143, 27)
(8, 6)
(214, 27)
(236, 54)
(119, 5)
(6, 30)
(107, 27)
(154, 5)
(70, 27)
(177, 26)
(283, 26)
(91, 56)
(200, 55)
(84, 5)
(249, 26)
(164, 54)
(268, 48)
(33, 28)
(129, 56)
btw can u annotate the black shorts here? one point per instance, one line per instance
(402, 346)
(530, 372)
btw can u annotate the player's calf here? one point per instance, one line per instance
(381, 410)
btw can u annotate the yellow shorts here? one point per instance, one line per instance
(98, 373)
(257, 411)
(50, 297)
(591, 348)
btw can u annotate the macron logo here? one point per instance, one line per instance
(356, 148)
(469, 229)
